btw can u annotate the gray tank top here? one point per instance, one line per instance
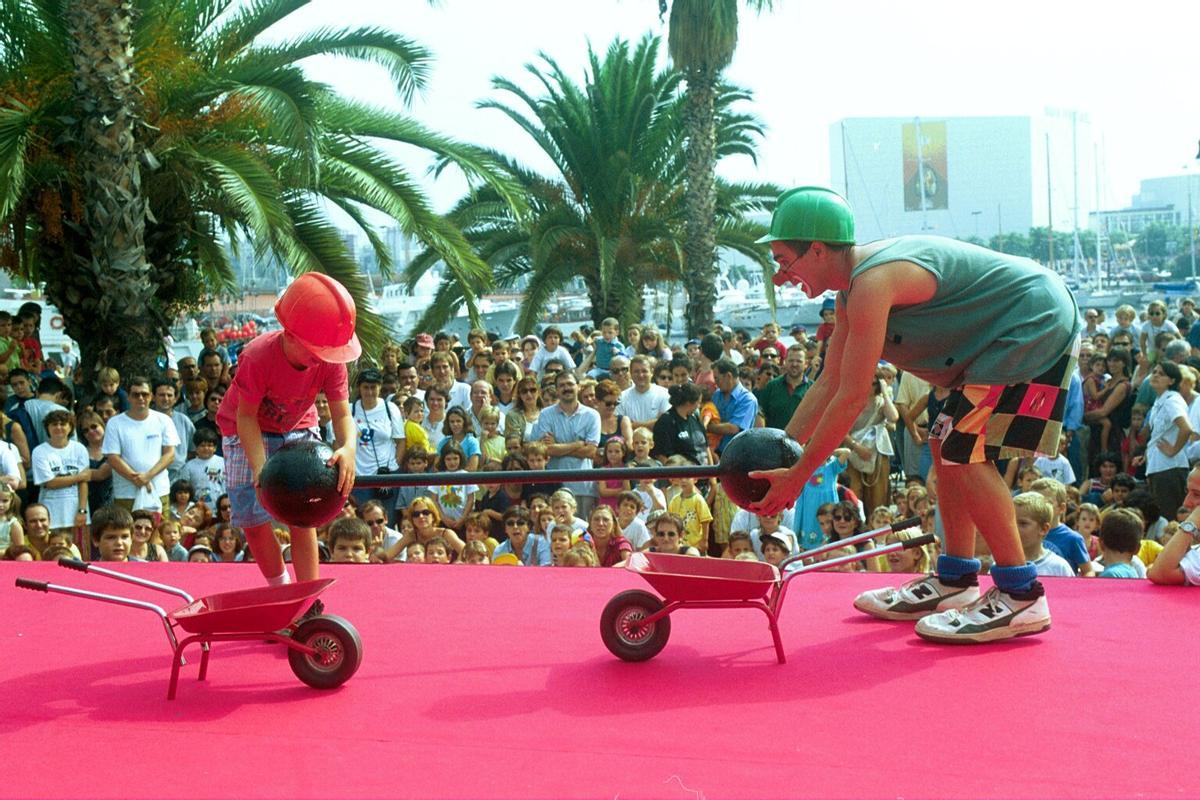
(995, 318)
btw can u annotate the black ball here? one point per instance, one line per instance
(297, 486)
(755, 449)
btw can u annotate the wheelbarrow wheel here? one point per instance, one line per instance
(339, 652)
(622, 629)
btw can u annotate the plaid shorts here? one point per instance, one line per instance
(982, 423)
(246, 511)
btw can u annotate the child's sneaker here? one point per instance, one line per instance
(996, 615)
(919, 598)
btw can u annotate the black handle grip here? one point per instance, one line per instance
(920, 541)
(25, 583)
(911, 522)
(73, 563)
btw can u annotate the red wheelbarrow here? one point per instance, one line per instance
(636, 624)
(324, 651)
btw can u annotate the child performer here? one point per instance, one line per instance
(1001, 332)
(270, 402)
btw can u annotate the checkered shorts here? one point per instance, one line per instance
(982, 423)
(239, 478)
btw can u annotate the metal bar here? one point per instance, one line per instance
(80, 566)
(128, 602)
(537, 476)
(901, 525)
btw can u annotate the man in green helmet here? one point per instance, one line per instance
(1002, 333)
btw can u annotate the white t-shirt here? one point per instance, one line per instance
(642, 406)
(1053, 565)
(10, 461)
(51, 462)
(1058, 468)
(207, 478)
(649, 496)
(140, 443)
(543, 357)
(637, 533)
(1190, 564)
(1166, 409)
(378, 428)
(452, 498)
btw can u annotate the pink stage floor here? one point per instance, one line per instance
(491, 682)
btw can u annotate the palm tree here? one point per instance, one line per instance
(611, 213)
(702, 37)
(173, 116)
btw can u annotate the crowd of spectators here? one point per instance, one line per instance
(135, 471)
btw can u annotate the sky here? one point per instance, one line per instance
(1129, 68)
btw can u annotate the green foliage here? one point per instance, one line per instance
(238, 143)
(611, 210)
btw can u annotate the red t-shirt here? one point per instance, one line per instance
(762, 344)
(285, 394)
(824, 331)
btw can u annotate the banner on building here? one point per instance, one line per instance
(924, 151)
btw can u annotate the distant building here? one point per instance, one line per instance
(961, 176)
(1161, 201)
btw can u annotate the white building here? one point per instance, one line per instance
(962, 176)
(1161, 201)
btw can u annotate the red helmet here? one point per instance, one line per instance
(319, 312)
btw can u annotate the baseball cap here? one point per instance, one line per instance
(424, 340)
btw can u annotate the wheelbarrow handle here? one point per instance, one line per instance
(74, 563)
(37, 586)
(82, 566)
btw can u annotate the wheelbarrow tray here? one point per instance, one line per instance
(687, 578)
(264, 608)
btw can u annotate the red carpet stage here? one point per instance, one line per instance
(493, 682)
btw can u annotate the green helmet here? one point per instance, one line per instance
(811, 214)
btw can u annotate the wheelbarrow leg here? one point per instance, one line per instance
(203, 661)
(778, 640)
(175, 669)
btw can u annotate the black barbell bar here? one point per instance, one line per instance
(396, 479)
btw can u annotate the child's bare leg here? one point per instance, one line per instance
(974, 496)
(305, 557)
(265, 549)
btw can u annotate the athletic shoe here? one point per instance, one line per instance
(919, 598)
(997, 615)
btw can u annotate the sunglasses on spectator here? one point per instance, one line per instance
(667, 534)
(514, 523)
(843, 517)
(422, 512)
(373, 522)
(619, 369)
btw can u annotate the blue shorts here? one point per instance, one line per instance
(247, 512)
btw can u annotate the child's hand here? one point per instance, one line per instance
(343, 459)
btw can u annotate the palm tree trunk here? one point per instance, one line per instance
(108, 307)
(699, 247)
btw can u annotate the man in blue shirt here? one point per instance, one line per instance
(737, 406)
(571, 433)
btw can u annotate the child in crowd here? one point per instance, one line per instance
(109, 381)
(437, 551)
(776, 546)
(1061, 539)
(10, 348)
(112, 533)
(1134, 443)
(170, 536)
(561, 537)
(615, 453)
(820, 490)
(562, 506)
(580, 555)
(61, 469)
(739, 544)
(1035, 516)
(1058, 468)
(1118, 493)
(1120, 541)
(641, 444)
(11, 530)
(182, 497)
(478, 528)
(414, 553)
(768, 525)
(200, 554)
(491, 442)
(456, 500)
(652, 497)
(349, 541)
(415, 437)
(1087, 522)
(207, 470)
(689, 506)
(1025, 478)
(910, 560)
(538, 457)
(629, 509)
(605, 347)
(475, 552)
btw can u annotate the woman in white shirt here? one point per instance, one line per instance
(1166, 463)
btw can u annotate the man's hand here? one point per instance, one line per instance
(343, 459)
(786, 486)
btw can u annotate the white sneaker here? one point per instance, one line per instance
(997, 615)
(918, 598)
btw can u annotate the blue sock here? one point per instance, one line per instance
(1014, 580)
(951, 568)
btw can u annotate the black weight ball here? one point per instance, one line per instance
(297, 486)
(755, 449)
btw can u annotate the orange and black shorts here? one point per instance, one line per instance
(982, 423)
